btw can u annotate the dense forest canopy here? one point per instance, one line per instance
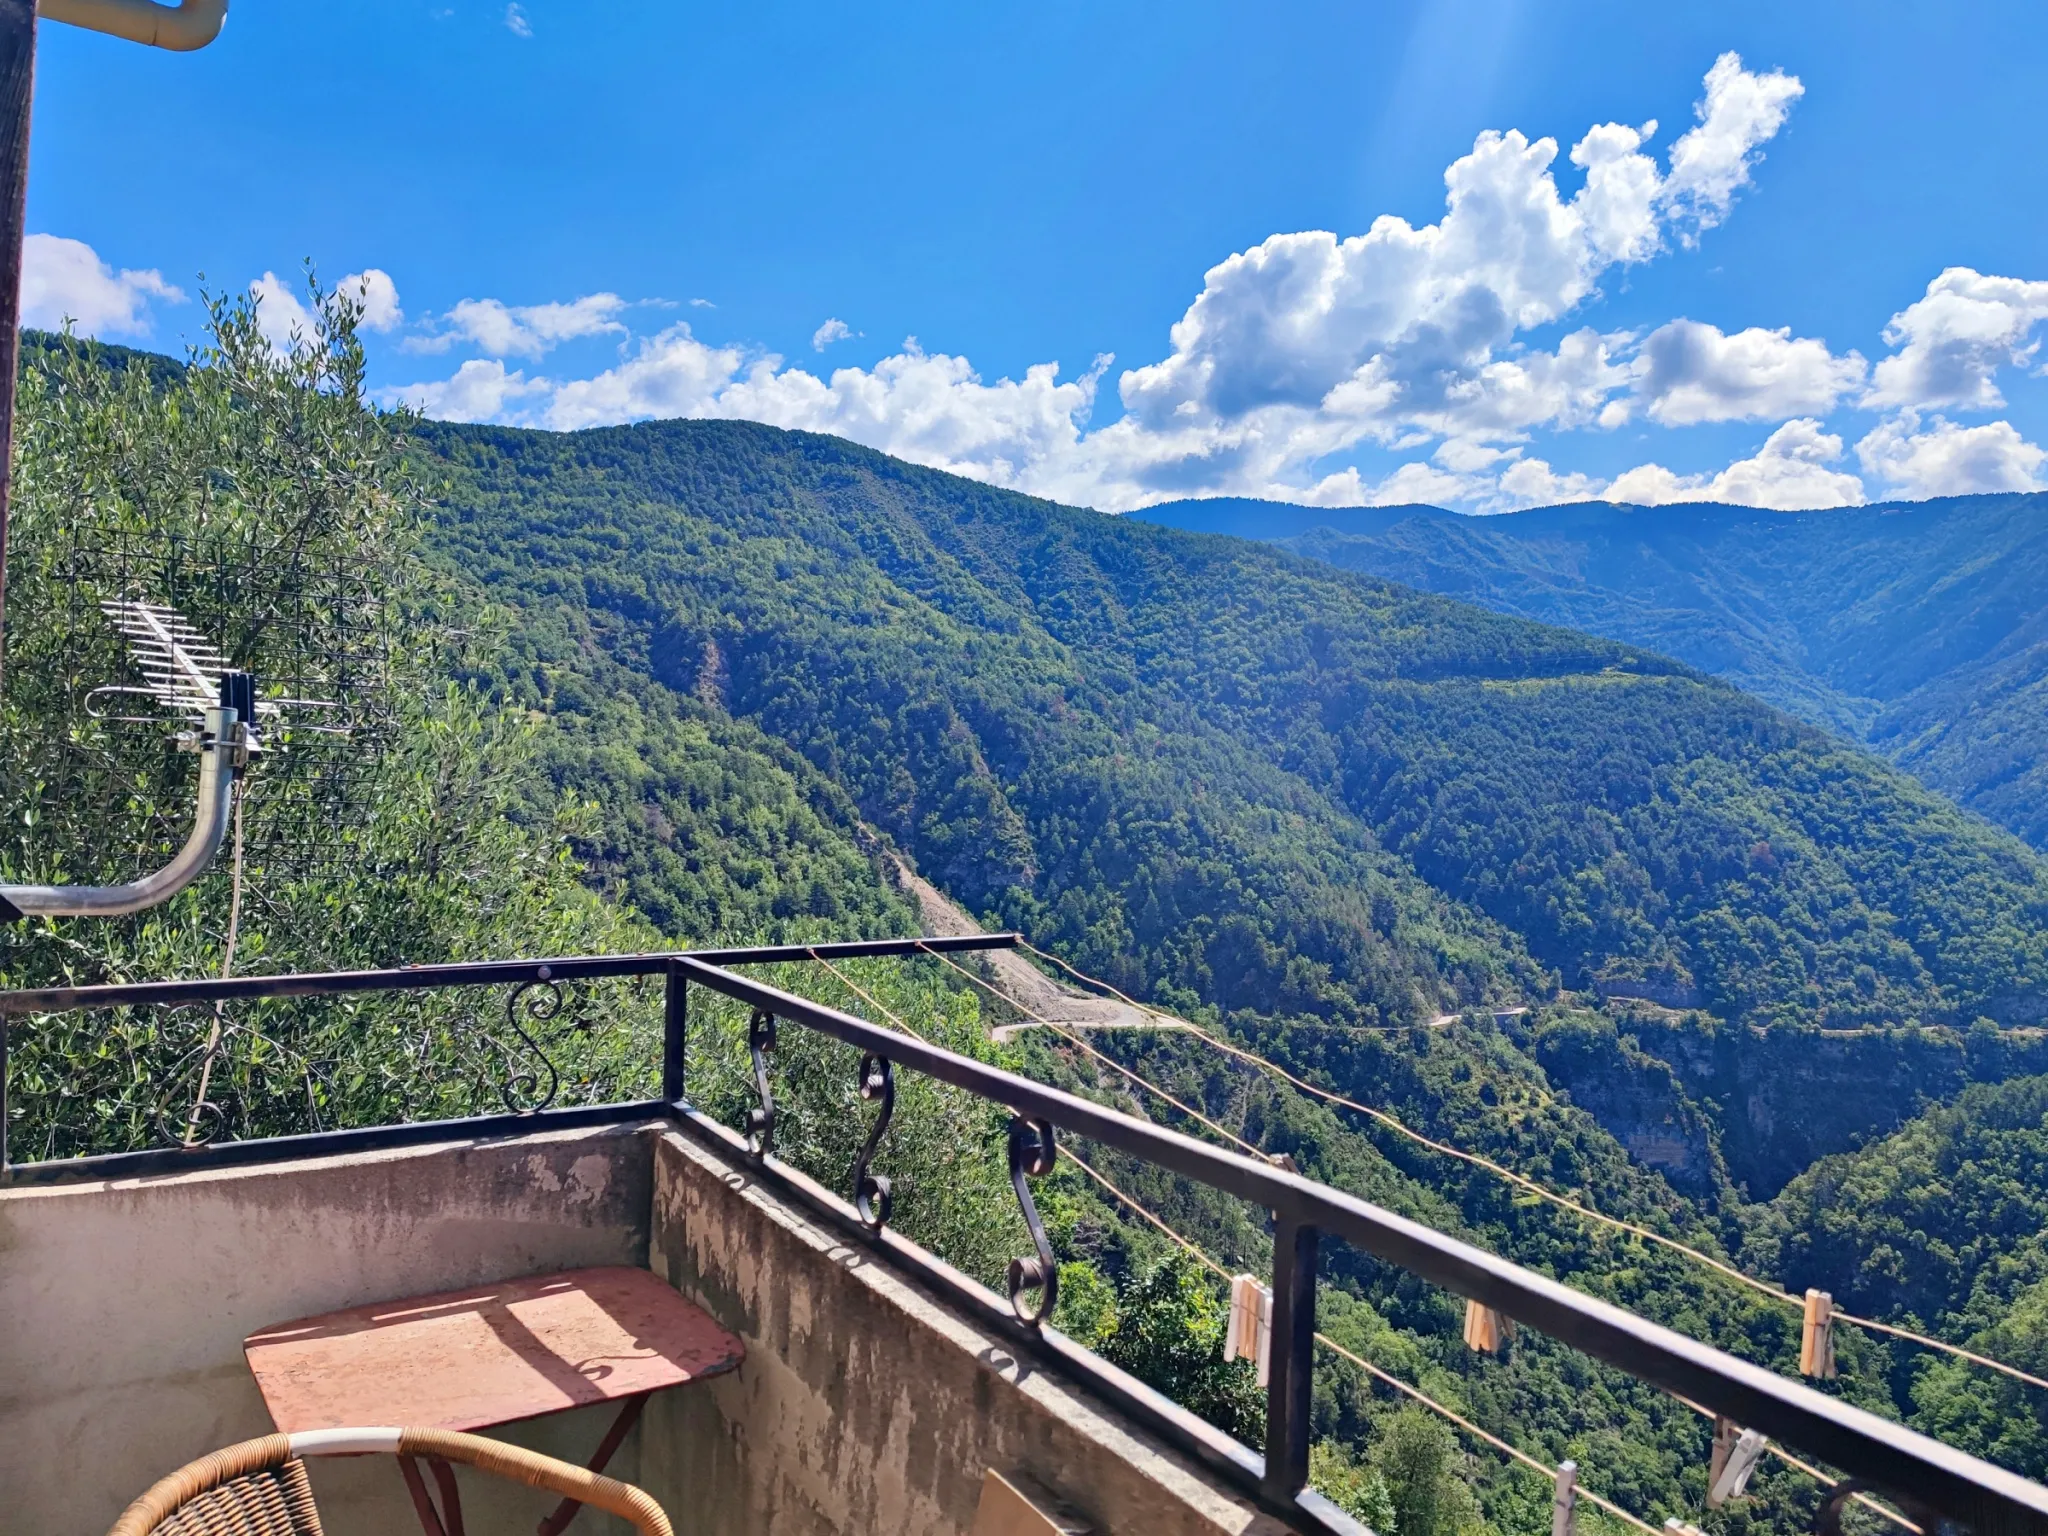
(1282, 798)
(1916, 628)
(1225, 775)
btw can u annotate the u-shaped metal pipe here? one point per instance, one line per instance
(183, 27)
(209, 826)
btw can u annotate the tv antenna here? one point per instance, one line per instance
(182, 673)
(193, 686)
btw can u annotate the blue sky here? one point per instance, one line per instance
(1821, 278)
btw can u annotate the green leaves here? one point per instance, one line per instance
(257, 492)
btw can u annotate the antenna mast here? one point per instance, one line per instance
(225, 734)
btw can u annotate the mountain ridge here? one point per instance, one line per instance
(743, 682)
(1909, 627)
(1240, 777)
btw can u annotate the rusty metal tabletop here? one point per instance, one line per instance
(488, 1354)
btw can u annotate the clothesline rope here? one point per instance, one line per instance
(1522, 1181)
(1194, 1250)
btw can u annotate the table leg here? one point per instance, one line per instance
(429, 1521)
(451, 1496)
(629, 1414)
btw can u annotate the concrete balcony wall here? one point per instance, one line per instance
(865, 1408)
(123, 1307)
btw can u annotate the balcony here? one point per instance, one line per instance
(879, 1384)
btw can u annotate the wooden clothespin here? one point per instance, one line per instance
(1564, 1504)
(1736, 1452)
(1250, 1333)
(1485, 1329)
(1678, 1527)
(1817, 1337)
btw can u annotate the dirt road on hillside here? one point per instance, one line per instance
(1051, 1001)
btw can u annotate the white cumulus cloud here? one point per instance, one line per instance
(1950, 460)
(1953, 341)
(280, 312)
(1407, 317)
(1689, 373)
(1533, 483)
(65, 280)
(284, 317)
(1293, 352)
(524, 330)
(1790, 473)
(377, 294)
(482, 389)
(1711, 162)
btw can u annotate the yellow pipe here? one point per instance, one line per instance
(182, 27)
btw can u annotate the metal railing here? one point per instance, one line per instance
(1935, 1483)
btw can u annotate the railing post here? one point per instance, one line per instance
(675, 1026)
(1288, 1396)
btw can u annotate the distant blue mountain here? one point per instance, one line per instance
(1918, 628)
(1271, 521)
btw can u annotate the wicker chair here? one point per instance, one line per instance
(259, 1488)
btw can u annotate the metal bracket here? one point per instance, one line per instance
(183, 27)
(1033, 1154)
(224, 749)
(871, 1191)
(761, 1119)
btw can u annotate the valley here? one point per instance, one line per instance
(1320, 814)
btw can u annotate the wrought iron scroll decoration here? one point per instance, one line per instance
(521, 1089)
(871, 1198)
(1032, 1154)
(761, 1118)
(189, 1120)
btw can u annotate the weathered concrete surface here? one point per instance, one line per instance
(123, 1308)
(863, 1408)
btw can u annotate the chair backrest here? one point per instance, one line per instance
(278, 1502)
(259, 1488)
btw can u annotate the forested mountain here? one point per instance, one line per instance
(1223, 774)
(1916, 628)
(1279, 797)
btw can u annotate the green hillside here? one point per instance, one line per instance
(1913, 627)
(1278, 797)
(1941, 1224)
(1226, 776)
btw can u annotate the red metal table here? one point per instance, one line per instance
(488, 1355)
